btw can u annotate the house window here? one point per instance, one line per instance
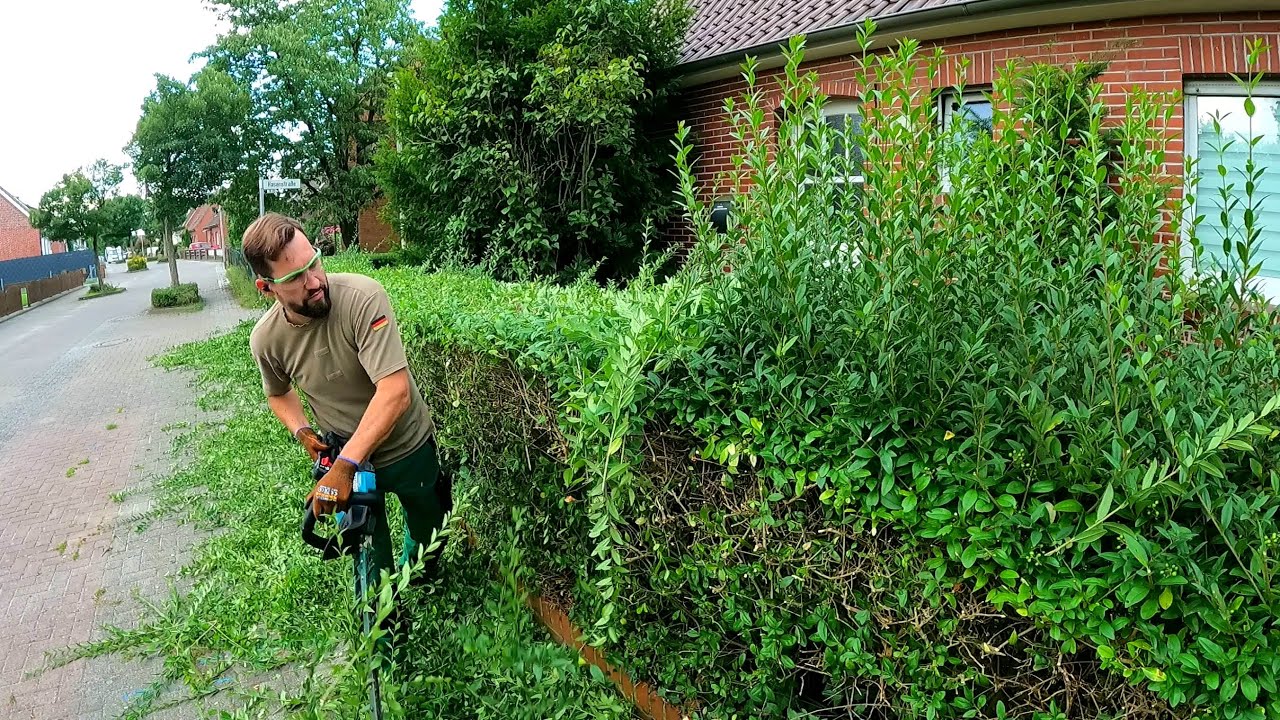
(969, 116)
(845, 118)
(970, 110)
(1218, 136)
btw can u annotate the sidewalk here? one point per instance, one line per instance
(80, 387)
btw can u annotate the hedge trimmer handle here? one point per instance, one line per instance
(354, 523)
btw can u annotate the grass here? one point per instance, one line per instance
(243, 289)
(71, 471)
(260, 601)
(106, 290)
(112, 426)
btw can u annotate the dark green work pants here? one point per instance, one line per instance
(424, 496)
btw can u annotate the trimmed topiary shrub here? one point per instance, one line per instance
(184, 294)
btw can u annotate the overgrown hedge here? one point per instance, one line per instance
(889, 451)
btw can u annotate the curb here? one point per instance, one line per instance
(641, 695)
(37, 304)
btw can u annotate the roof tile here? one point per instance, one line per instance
(721, 27)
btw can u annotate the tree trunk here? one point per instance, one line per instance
(350, 228)
(94, 241)
(170, 255)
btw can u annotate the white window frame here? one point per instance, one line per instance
(1192, 90)
(946, 116)
(945, 113)
(844, 106)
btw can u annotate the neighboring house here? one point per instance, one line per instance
(375, 234)
(1193, 51)
(205, 225)
(17, 238)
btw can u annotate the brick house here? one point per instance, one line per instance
(1190, 46)
(205, 225)
(375, 234)
(17, 238)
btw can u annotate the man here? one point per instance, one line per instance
(336, 338)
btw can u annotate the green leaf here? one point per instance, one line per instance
(1136, 547)
(1230, 686)
(1104, 504)
(969, 556)
(1212, 650)
(1130, 422)
(1135, 593)
(1069, 506)
(1249, 688)
(1091, 534)
(1166, 599)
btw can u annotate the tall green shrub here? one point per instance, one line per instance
(523, 136)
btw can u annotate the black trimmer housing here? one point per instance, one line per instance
(357, 521)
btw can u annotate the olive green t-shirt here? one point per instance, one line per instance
(335, 362)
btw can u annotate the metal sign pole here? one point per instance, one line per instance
(262, 199)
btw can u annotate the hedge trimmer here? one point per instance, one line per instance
(356, 525)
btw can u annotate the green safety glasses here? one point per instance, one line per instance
(299, 271)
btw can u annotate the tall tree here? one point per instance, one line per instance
(188, 144)
(318, 71)
(122, 217)
(76, 208)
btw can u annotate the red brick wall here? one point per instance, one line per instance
(375, 234)
(17, 238)
(1155, 53)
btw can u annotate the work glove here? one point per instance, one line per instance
(311, 441)
(334, 489)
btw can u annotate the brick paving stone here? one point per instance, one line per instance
(79, 367)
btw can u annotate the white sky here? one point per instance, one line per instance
(73, 74)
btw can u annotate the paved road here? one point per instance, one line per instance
(71, 370)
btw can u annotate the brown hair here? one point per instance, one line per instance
(266, 238)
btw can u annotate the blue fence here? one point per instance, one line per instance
(44, 266)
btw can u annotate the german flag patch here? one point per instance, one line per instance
(379, 323)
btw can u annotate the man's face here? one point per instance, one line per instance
(304, 293)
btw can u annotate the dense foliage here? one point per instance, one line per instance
(189, 141)
(175, 296)
(901, 452)
(82, 206)
(316, 74)
(524, 136)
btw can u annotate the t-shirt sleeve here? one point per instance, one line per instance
(377, 335)
(274, 380)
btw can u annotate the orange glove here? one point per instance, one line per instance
(311, 441)
(334, 489)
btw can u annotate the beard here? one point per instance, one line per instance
(313, 308)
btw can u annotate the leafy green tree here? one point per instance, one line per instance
(123, 216)
(532, 136)
(318, 73)
(188, 144)
(77, 207)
